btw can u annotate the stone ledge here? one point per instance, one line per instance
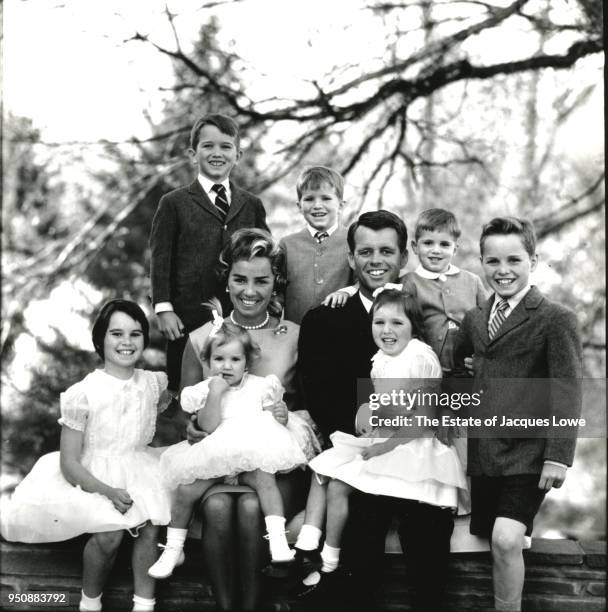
(562, 576)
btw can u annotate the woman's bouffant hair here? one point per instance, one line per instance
(247, 244)
(227, 333)
(102, 321)
(407, 300)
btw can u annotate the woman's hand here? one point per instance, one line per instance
(193, 433)
(279, 412)
(336, 299)
(120, 499)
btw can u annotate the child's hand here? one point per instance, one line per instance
(374, 450)
(552, 476)
(121, 499)
(218, 384)
(170, 325)
(362, 420)
(468, 364)
(279, 412)
(335, 299)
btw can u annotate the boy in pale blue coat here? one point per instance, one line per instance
(317, 255)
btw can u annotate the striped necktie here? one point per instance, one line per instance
(221, 200)
(498, 319)
(321, 236)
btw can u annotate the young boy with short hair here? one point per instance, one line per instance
(316, 256)
(517, 334)
(190, 227)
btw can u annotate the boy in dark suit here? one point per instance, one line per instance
(517, 334)
(190, 227)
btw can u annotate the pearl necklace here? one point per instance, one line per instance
(250, 327)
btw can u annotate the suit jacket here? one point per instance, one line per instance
(538, 340)
(185, 242)
(334, 350)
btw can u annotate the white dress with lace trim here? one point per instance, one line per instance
(117, 418)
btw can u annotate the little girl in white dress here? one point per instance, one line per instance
(407, 462)
(244, 439)
(105, 479)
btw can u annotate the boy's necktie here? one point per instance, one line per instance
(321, 236)
(498, 319)
(221, 200)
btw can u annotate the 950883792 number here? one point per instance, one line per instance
(35, 598)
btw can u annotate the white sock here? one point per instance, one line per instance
(89, 604)
(176, 537)
(330, 557)
(309, 537)
(274, 523)
(141, 604)
(507, 606)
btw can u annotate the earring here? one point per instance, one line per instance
(227, 290)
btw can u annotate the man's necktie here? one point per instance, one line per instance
(321, 236)
(221, 200)
(498, 319)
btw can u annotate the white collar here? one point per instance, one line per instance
(512, 301)
(422, 272)
(329, 231)
(367, 303)
(207, 185)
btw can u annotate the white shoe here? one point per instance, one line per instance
(167, 562)
(279, 548)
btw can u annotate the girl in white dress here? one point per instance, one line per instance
(244, 440)
(407, 462)
(104, 479)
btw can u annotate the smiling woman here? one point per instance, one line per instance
(253, 266)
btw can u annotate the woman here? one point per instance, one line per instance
(233, 546)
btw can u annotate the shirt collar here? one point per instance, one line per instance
(367, 303)
(512, 301)
(206, 184)
(422, 272)
(329, 231)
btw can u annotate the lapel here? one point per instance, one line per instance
(481, 320)
(202, 199)
(237, 201)
(530, 302)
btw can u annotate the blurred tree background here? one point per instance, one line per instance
(468, 105)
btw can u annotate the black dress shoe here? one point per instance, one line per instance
(304, 563)
(329, 587)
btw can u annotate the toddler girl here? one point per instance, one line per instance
(104, 479)
(406, 462)
(244, 439)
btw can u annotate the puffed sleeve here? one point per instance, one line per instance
(273, 391)
(74, 408)
(425, 364)
(193, 398)
(160, 395)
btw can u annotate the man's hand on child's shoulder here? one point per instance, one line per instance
(170, 325)
(336, 299)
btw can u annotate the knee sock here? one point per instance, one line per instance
(89, 604)
(330, 557)
(507, 606)
(308, 538)
(141, 604)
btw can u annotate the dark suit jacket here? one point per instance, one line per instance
(185, 242)
(334, 350)
(538, 340)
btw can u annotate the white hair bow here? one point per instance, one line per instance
(396, 286)
(216, 324)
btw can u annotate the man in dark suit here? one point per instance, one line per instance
(190, 227)
(334, 353)
(527, 360)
